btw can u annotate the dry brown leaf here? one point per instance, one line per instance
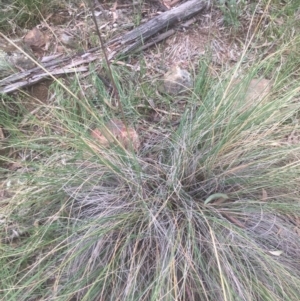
(233, 220)
(100, 138)
(116, 130)
(264, 195)
(219, 201)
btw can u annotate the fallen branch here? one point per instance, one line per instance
(137, 39)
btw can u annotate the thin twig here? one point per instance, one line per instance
(114, 86)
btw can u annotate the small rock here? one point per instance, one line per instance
(35, 39)
(68, 40)
(176, 80)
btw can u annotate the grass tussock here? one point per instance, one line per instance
(205, 210)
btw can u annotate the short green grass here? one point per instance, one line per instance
(205, 210)
(17, 15)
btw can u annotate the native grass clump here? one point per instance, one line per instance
(206, 209)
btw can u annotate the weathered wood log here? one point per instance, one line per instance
(138, 38)
(165, 20)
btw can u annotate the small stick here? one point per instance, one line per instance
(115, 90)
